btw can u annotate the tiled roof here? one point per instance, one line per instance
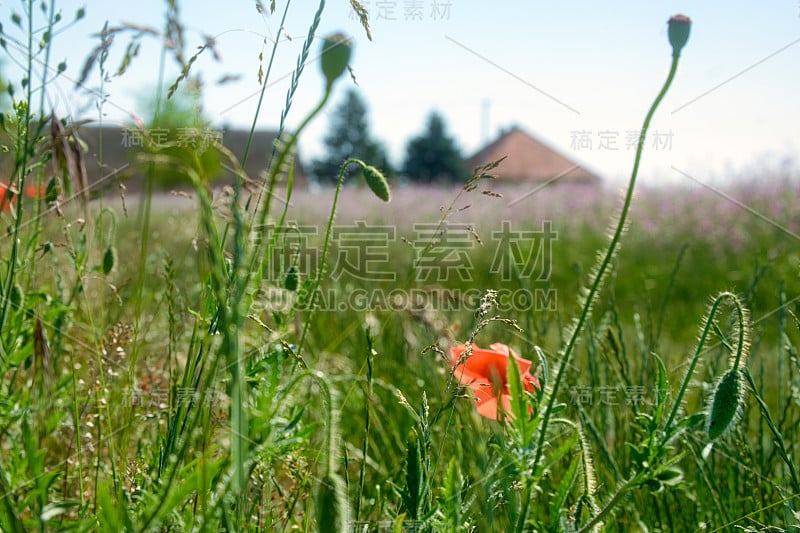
(528, 159)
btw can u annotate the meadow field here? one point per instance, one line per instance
(404, 283)
(479, 356)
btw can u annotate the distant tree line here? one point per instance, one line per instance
(431, 157)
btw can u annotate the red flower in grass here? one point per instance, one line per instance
(36, 192)
(485, 371)
(6, 195)
(8, 192)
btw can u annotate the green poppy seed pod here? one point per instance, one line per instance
(678, 30)
(333, 510)
(727, 403)
(377, 182)
(109, 260)
(51, 192)
(17, 297)
(335, 56)
(291, 280)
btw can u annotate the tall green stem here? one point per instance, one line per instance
(602, 269)
(20, 170)
(604, 265)
(51, 21)
(272, 179)
(144, 215)
(328, 231)
(621, 491)
(264, 84)
(301, 62)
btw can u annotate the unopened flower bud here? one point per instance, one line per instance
(726, 405)
(109, 260)
(333, 511)
(377, 182)
(291, 280)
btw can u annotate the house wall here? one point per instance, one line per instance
(111, 148)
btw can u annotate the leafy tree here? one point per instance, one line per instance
(434, 155)
(349, 137)
(5, 98)
(180, 131)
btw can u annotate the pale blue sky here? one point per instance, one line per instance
(554, 68)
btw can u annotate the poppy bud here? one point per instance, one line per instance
(377, 182)
(678, 31)
(16, 297)
(726, 405)
(109, 260)
(291, 279)
(333, 512)
(335, 56)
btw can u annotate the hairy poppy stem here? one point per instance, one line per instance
(621, 491)
(271, 180)
(741, 349)
(599, 275)
(318, 279)
(597, 282)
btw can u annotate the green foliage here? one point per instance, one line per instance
(189, 401)
(332, 515)
(177, 136)
(349, 137)
(433, 156)
(417, 491)
(5, 98)
(454, 501)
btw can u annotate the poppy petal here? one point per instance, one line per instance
(485, 373)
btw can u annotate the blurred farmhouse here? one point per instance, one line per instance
(111, 157)
(111, 153)
(528, 159)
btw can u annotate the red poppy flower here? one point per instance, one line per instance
(6, 195)
(485, 373)
(36, 192)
